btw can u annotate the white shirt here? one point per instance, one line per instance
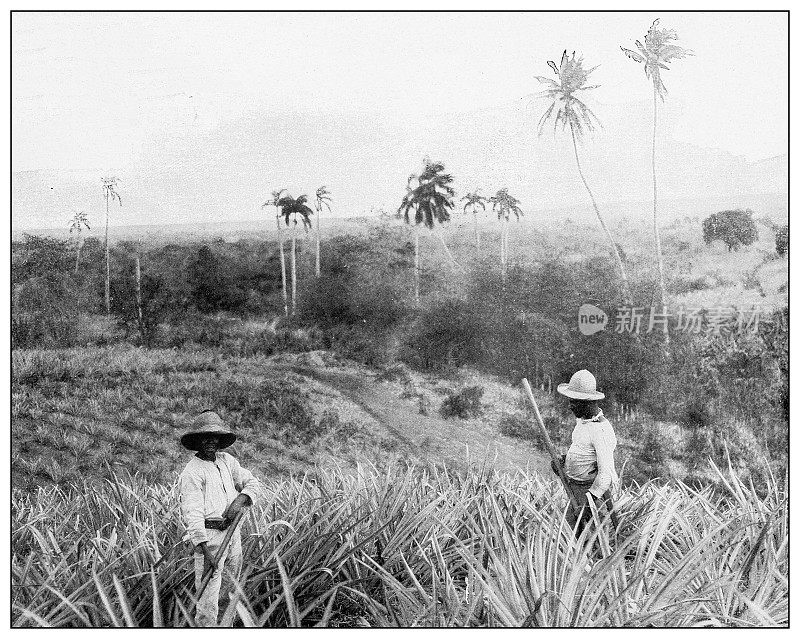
(208, 487)
(592, 450)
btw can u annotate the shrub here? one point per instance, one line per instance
(39, 256)
(464, 404)
(654, 449)
(734, 227)
(274, 403)
(395, 372)
(681, 285)
(44, 313)
(782, 240)
(444, 337)
(212, 287)
(516, 425)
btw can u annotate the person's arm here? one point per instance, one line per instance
(250, 488)
(193, 507)
(604, 444)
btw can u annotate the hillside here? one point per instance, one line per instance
(82, 409)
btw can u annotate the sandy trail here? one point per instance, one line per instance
(430, 436)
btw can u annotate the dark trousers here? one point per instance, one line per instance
(584, 513)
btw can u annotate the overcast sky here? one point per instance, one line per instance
(88, 88)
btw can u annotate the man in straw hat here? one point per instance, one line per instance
(589, 462)
(213, 489)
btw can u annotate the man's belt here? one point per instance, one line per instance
(580, 482)
(216, 523)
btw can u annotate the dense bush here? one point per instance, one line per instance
(464, 404)
(734, 227)
(44, 312)
(39, 256)
(782, 240)
(214, 286)
(444, 337)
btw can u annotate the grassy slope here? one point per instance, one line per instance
(75, 411)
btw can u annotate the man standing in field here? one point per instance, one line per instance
(213, 489)
(589, 462)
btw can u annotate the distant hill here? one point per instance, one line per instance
(195, 177)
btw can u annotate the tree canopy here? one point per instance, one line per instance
(734, 227)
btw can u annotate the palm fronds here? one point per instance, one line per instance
(656, 53)
(567, 108)
(431, 198)
(110, 189)
(323, 196)
(291, 208)
(78, 221)
(504, 204)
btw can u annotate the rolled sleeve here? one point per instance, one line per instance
(193, 507)
(604, 444)
(244, 481)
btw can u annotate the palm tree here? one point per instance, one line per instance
(110, 193)
(505, 204)
(431, 199)
(570, 111)
(655, 54)
(323, 199)
(276, 196)
(76, 224)
(291, 208)
(474, 200)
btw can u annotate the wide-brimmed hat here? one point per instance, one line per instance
(582, 385)
(207, 423)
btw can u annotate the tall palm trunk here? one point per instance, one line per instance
(656, 233)
(502, 253)
(416, 264)
(283, 267)
(139, 296)
(317, 271)
(625, 288)
(78, 252)
(477, 233)
(108, 265)
(294, 267)
(438, 234)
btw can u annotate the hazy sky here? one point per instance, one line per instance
(89, 88)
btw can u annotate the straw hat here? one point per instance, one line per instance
(207, 423)
(582, 385)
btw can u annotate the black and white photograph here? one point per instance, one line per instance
(399, 319)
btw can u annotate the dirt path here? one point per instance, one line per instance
(430, 436)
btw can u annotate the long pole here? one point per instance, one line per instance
(223, 547)
(550, 448)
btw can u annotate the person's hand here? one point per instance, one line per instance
(233, 509)
(555, 464)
